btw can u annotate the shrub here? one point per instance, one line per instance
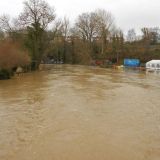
(11, 56)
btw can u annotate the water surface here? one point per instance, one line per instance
(80, 113)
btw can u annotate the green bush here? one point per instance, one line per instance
(5, 74)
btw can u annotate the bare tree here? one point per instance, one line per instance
(150, 35)
(65, 34)
(57, 28)
(117, 43)
(86, 26)
(65, 27)
(131, 35)
(9, 27)
(5, 23)
(105, 22)
(56, 40)
(36, 16)
(146, 34)
(95, 29)
(37, 12)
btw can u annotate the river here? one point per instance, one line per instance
(80, 113)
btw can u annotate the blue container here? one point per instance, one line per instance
(131, 62)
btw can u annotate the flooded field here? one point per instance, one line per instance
(80, 113)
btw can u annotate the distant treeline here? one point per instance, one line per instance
(93, 36)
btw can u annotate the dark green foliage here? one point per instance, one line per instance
(5, 74)
(36, 43)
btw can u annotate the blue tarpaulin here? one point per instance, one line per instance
(131, 62)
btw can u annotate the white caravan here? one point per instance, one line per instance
(153, 65)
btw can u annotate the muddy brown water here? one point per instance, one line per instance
(80, 113)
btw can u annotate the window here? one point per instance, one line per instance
(153, 65)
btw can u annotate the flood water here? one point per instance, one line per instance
(80, 113)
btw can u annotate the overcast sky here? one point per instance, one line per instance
(128, 13)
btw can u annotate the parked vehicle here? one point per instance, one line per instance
(153, 65)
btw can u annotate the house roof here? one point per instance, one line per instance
(154, 61)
